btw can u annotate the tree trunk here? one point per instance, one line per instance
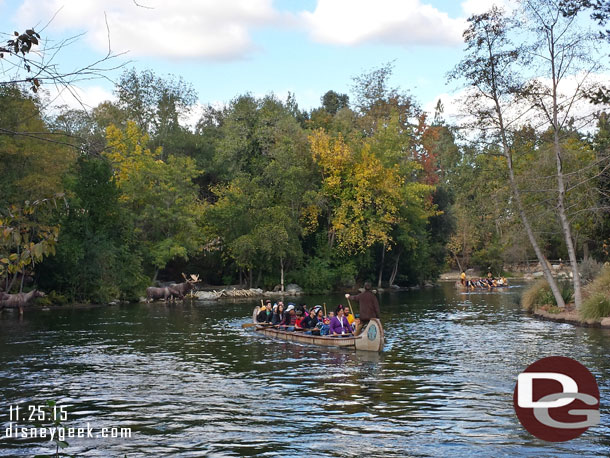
(154, 280)
(565, 224)
(21, 283)
(394, 270)
(250, 274)
(585, 250)
(457, 261)
(381, 266)
(515, 190)
(259, 278)
(530, 233)
(240, 277)
(282, 274)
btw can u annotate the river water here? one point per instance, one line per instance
(189, 381)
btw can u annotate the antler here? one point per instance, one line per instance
(195, 278)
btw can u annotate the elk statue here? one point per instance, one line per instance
(19, 300)
(172, 292)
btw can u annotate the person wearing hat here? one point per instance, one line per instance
(369, 305)
(290, 318)
(310, 321)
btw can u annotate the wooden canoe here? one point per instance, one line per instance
(458, 285)
(370, 339)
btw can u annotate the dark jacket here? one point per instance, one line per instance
(309, 323)
(289, 320)
(276, 318)
(262, 316)
(369, 305)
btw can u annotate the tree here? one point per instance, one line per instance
(489, 69)
(332, 102)
(34, 69)
(33, 161)
(560, 51)
(25, 239)
(161, 194)
(98, 255)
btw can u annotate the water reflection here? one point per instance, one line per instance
(190, 381)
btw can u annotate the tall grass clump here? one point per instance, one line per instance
(536, 295)
(539, 294)
(597, 297)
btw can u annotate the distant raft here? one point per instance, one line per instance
(370, 339)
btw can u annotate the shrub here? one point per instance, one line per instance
(540, 294)
(595, 307)
(589, 269)
(597, 297)
(536, 295)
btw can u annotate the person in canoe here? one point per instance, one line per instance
(310, 322)
(369, 305)
(265, 314)
(290, 318)
(278, 314)
(339, 327)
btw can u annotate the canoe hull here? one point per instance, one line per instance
(370, 339)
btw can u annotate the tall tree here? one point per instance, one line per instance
(489, 69)
(160, 193)
(560, 51)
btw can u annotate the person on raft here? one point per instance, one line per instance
(369, 306)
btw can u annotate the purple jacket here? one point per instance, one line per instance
(335, 326)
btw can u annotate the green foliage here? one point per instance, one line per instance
(160, 194)
(539, 294)
(596, 294)
(97, 256)
(29, 168)
(323, 275)
(536, 295)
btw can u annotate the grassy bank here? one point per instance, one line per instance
(539, 299)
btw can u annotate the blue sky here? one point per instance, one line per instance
(229, 47)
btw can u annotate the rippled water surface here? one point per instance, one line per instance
(189, 381)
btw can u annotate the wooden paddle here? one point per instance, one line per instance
(249, 325)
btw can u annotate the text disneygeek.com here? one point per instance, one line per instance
(62, 433)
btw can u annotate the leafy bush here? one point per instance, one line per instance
(597, 297)
(322, 275)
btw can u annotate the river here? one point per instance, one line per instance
(188, 380)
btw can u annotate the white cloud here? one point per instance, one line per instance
(399, 22)
(186, 29)
(77, 97)
(471, 7)
(582, 112)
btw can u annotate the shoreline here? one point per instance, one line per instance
(571, 317)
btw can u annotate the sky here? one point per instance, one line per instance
(225, 48)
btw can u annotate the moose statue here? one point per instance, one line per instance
(19, 300)
(172, 292)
